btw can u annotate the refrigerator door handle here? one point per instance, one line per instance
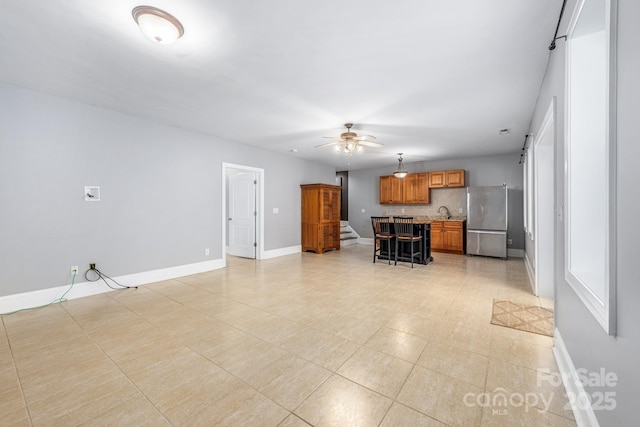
(486, 232)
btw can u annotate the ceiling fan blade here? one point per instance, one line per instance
(327, 144)
(365, 137)
(371, 144)
(334, 137)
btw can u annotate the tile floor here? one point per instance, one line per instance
(306, 339)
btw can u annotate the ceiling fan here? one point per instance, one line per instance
(349, 142)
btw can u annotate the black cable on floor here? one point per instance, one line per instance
(101, 276)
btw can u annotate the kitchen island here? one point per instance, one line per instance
(420, 227)
(442, 235)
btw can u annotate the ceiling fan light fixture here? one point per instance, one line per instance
(349, 142)
(157, 25)
(401, 172)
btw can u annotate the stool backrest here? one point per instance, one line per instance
(403, 225)
(381, 225)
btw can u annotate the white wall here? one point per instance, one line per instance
(161, 191)
(588, 344)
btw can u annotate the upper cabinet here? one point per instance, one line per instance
(391, 190)
(414, 188)
(410, 190)
(446, 179)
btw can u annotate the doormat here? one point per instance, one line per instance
(528, 318)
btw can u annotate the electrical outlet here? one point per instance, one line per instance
(92, 266)
(74, 269)
(206, 251)
(509, 241)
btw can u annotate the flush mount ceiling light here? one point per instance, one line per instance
(157, 25)
(401, 172)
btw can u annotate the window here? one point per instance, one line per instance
(589, 157)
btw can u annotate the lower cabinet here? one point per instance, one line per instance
(448, 236)
(330, 236)
(437, 236)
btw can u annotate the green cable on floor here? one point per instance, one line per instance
(61, 299)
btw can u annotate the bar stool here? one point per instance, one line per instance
(382, 231)
(403, 227)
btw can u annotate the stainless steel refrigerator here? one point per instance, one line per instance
(487, 221)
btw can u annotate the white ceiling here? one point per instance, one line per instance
(432, 79)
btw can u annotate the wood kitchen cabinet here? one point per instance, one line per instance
(446, 179)
(320, 217)
(448, 236)
(410, 190)
(416, 189)
(391, 190)
(437, 236)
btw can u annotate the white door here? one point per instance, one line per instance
(544, 216)
(242, 214)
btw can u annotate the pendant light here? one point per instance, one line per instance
(157, 25)
(401, 172)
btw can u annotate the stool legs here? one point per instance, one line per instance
(396, 253)
(412, 243)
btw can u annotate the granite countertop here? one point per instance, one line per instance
(429, 219)
(438, 218)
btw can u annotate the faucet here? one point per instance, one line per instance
(446, 210)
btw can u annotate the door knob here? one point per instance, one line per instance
(229, 219)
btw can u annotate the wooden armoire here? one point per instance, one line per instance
(320, 217)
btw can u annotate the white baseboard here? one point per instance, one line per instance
(585, 417)
(530, 273)
(41, 297)
(515, 253)
(366, 240)
(274, 253)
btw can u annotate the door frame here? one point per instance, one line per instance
(545, 226)
(259, 207)
(342, 179)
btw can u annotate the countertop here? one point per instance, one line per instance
(430, 219)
